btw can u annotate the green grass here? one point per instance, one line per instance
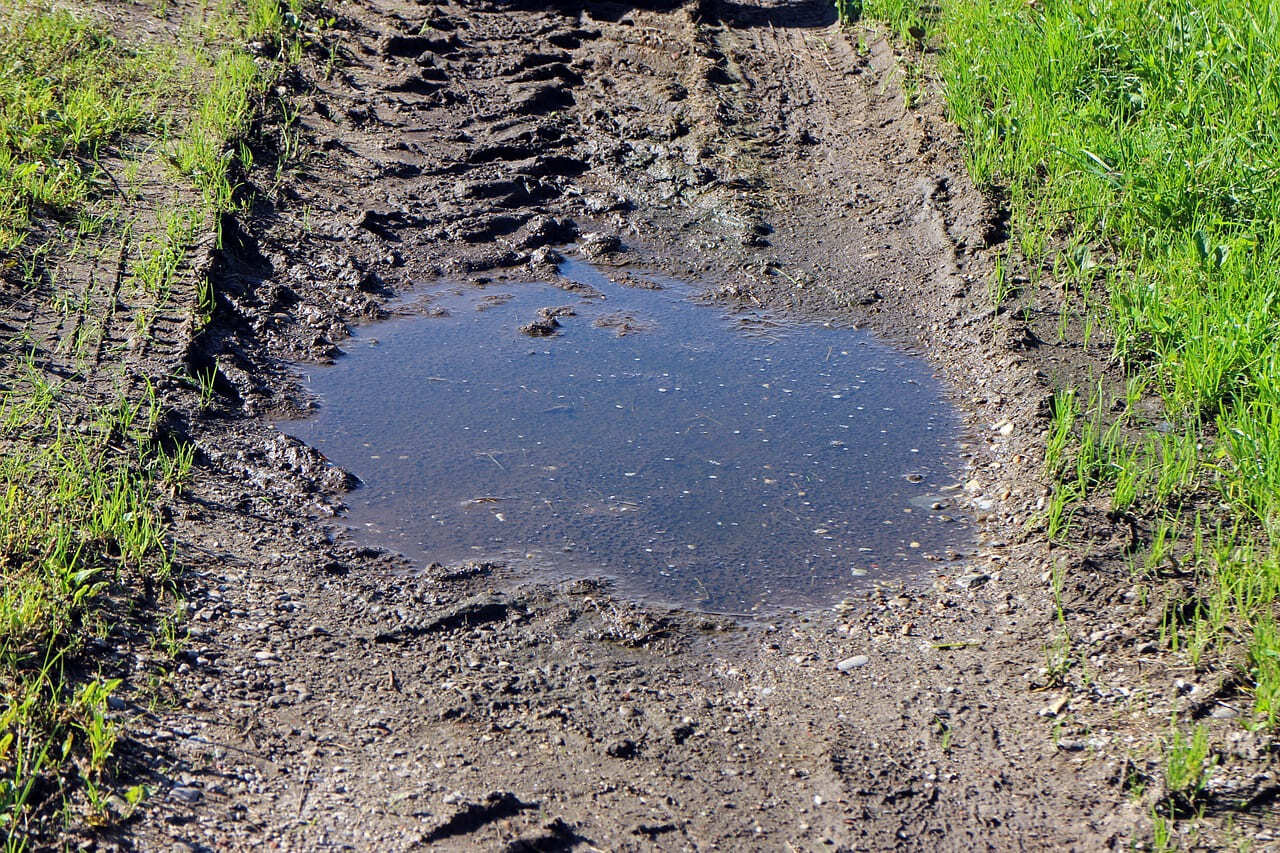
(112, 154)
(67, 91)
(1188, 763)
(1137, 143)
(1138, 147)
(79, 526)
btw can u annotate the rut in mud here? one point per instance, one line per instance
(327, 699)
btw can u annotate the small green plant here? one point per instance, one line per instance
(1162, 545)
(1063, 412)
(999, 282)
(1060, 511)
(99, 732)
(912, 84)
(1264, 658)
(849, 11)
(171, 638)
(174, 468)
(1058, 654)
(207, 381)
(1162, 833)
(1187, 768)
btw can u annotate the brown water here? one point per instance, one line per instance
(731, 462)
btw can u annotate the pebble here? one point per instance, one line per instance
(1224, 712)
(184, 794)
(852, 663)
(972, 580)
(546, 256)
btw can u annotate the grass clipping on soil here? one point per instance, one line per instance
(116, 159)
(1138, 146)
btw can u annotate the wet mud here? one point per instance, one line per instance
(329, 697)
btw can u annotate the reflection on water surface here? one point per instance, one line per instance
(725, 461)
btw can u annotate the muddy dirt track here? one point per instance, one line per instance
(325, 700)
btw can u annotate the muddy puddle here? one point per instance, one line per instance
(731, 461)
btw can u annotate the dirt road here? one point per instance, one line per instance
(327, 700)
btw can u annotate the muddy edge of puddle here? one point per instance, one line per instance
(327, 699)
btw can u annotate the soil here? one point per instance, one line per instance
(330, 696)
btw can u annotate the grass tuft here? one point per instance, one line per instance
(68, 90)
(1136, 142)
(1137, 146)
(116, 160)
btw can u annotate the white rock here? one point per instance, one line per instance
(852, 663)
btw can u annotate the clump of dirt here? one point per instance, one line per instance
(547, 322)
(330, 695)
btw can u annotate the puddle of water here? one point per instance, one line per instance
(729, 462)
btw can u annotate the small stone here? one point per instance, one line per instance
(546, 257)
(624, 748)
(185, 794)
(852, 663)
(1224, 712)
